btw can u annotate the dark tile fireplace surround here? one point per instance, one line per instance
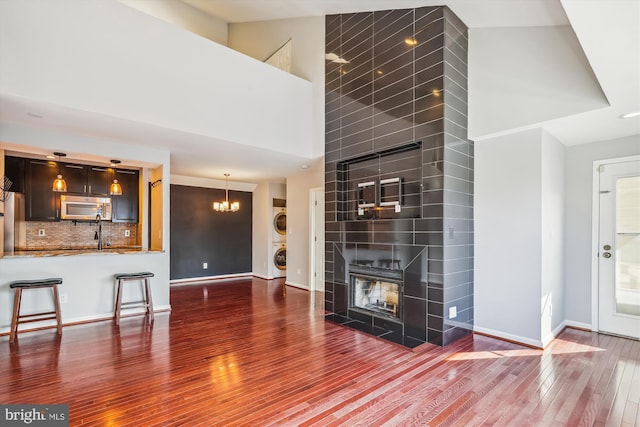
(399, 176)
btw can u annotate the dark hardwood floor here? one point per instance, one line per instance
(244, 352)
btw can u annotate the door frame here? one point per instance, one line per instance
(595, 235)
(314, 222)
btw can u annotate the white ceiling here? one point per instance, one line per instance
(474, 13)
(608, 31)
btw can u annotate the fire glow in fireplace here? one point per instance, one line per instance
(376, 291)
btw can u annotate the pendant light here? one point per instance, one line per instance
(59, 184)
(116, 188)
(224, 206)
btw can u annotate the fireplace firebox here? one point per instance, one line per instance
(376, 291)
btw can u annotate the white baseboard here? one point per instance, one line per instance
(192, 280)
(297, 285)
(509, 337)
(579, 325)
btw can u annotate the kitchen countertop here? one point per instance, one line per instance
(79, 251)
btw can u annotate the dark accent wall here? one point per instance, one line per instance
(198, 234)
(387, 92)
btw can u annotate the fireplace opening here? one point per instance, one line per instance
(379, 295)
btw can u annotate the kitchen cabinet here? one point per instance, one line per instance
(14, 169)
(125, 207)
(35, 177)
(42, 203)
(86, 179)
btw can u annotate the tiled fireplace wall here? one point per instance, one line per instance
(398, 84)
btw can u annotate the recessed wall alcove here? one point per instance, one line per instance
(399, 175)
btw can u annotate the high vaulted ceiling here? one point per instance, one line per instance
(474, 13)
(608, 32)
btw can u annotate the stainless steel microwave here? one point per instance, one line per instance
(85, 207)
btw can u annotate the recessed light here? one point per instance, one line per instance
(410, 41)
(629, 115)
(335, 58)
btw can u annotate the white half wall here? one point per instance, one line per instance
(261, 39)
(184, 16)
(579, 168)
(508, 230)
(106, 58)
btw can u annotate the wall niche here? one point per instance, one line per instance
(381, 185)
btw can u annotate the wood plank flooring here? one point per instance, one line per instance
(247, 353)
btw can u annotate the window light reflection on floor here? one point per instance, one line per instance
(557, 347)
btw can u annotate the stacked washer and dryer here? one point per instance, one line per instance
(279, 248)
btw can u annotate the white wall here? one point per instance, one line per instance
(261, 39)
(579, 172)
(552, 229)
(522, 76)
(184, 16)
(70, 53)
(508, 244)
(299, 222)
(260, 238)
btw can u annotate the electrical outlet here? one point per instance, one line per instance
(64, 298)
(205, 265)
(41, 232)
(127, 233)
(453, 312)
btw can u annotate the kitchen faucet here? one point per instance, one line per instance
(98, 235)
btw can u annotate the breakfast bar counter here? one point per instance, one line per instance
(79, 251)
(87, 291)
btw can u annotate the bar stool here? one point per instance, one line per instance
(147, 302)
(19, 286)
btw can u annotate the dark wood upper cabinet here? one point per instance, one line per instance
(125, 207)
(14, 169)
(100, 180)
(35, 177)
(76, 177)
(85, 179)
(42, 203)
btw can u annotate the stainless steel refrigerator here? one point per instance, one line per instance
(15, 228)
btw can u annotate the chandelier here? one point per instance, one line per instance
(225, 206)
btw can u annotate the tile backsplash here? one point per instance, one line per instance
(70, 234)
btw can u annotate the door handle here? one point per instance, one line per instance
(607, 255)
(607, 247)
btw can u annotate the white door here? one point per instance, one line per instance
(619, 249)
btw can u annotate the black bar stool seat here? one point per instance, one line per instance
(19, 286)
(146, 302)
